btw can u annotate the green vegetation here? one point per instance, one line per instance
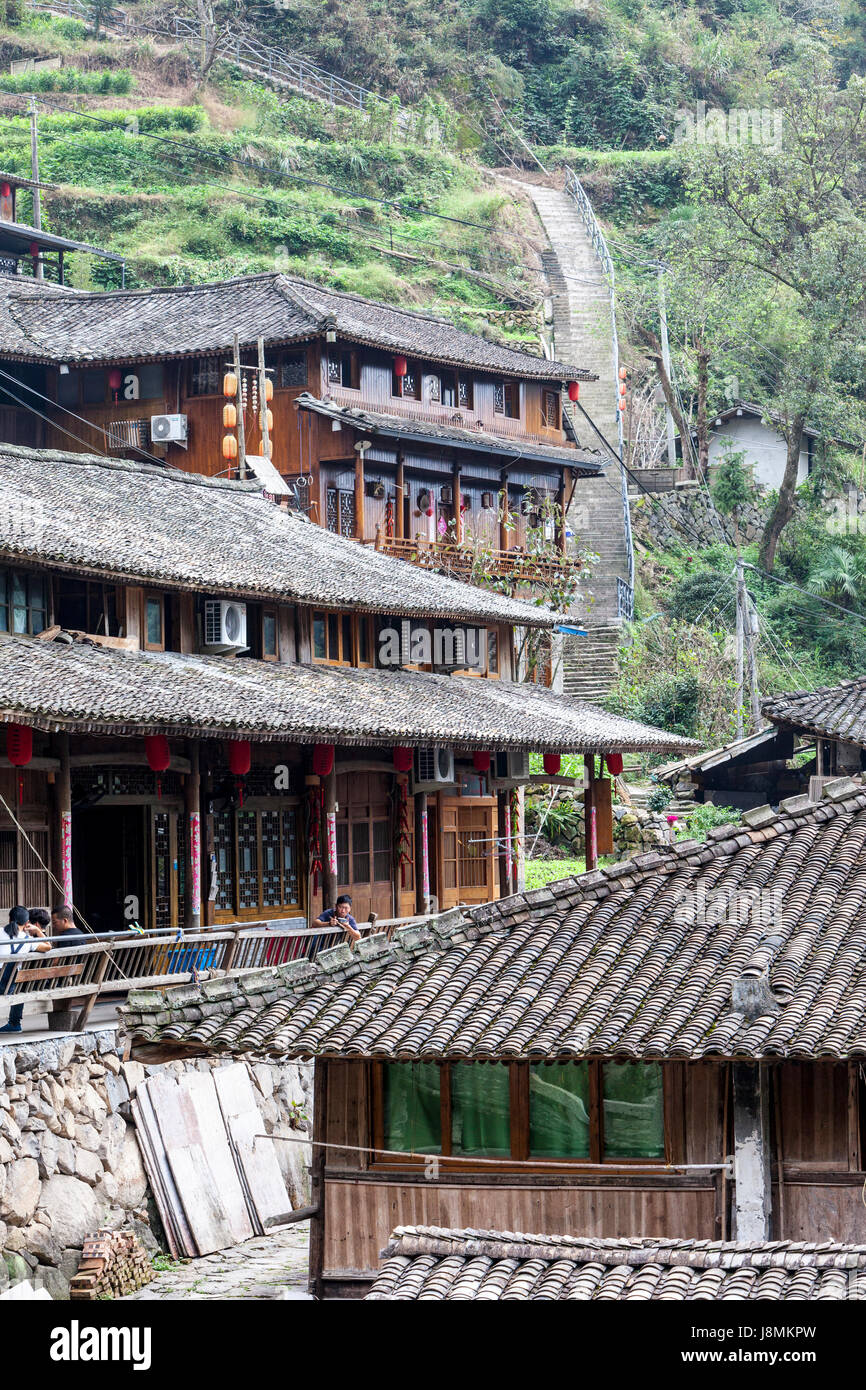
(67, 80)
(540, 872)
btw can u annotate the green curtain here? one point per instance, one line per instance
(480, 1110)
(633, 1110)
(413, 1121)
(559, 1110)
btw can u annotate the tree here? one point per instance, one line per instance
(733, 487)
(790, 215)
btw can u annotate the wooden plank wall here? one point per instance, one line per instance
(360, 1215)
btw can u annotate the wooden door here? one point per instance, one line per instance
(365, 843)
(467, 847)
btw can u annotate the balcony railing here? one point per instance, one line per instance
(450, 415)
(76, 976)
(464, 561)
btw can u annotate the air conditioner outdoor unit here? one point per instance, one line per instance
(225, 625)
(512, 765)
(168, 429)
(434, 768)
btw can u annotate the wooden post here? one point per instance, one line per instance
(458, 505)
(589, 826)
(360, 527)
(263, 405)
(329, 868)
(752, 1179)
(192, 811)
(502, 811)
(239, 403)
(63, 787)
(422, 855)
(317, 1186)
(563, 540)
(503, 524)
(399, 503)
(89, 1001)
(34, 174)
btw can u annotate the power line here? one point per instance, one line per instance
(807, 593)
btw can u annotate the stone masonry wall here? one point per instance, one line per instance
(686, 514)
(69, 1157)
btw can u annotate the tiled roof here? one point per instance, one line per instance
(753, 945)
(190, 320)
(428, 1263)
(583, 461)
(50, 684)
(831, 711)
(148, 524)
(767, 740)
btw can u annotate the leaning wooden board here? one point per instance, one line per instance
(196, 1145)
(255, 1156)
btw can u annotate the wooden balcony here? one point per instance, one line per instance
(468, 562)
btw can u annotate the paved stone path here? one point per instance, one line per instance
(272, 1266)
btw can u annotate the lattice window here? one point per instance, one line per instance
(360, 852)
(293, 369)
(347, 513)
(335, 371)
(271, 884)
(382, 851)
(435, 387)
(499, 397)
(207, 375)
(472, 848)
(248, 860)
(550, 410)
(223, 839)
(342, 852)
(465, 393)
(333, 510)
(162, 869)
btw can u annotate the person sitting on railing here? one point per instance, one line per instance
(340, 916)
(18, 938)
(63, 924)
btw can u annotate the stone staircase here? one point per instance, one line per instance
(582, 336)
(589, 663)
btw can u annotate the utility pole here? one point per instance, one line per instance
(740, 605)
(263, 404)
(752, 629)
(666, 363)
(34, 174)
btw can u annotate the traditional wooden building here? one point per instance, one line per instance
(221, 712)
(391, 426)
(670, 1047)
(435, 1265)
(811, 736)
(26, 249)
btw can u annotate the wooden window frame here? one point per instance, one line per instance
(282, 358)
(414, 369)
(364, 622)
(328, 660)
(556, 400)
(270, 612)
(7, 575)
(257, 807)
(221, 371)
(146, 598)
(511, 402)
(519, 1120)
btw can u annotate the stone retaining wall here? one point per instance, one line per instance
(69, 1159)
(686, 516)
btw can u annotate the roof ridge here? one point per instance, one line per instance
(146, 291)
(126, 465)
(837, 797)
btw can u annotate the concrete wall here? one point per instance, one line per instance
(69, 1157)
(764, 448)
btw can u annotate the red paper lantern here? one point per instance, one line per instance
(573, 390)
(239, 754)
(401, 366)
(19, 744)
(5, 190)
(481, 762)
(403, 759)
(552, 763)
(323, 759)
(157, 752)
(34, 248)
(115, 378)
(614, 763)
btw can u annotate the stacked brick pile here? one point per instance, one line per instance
(112, 1263)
